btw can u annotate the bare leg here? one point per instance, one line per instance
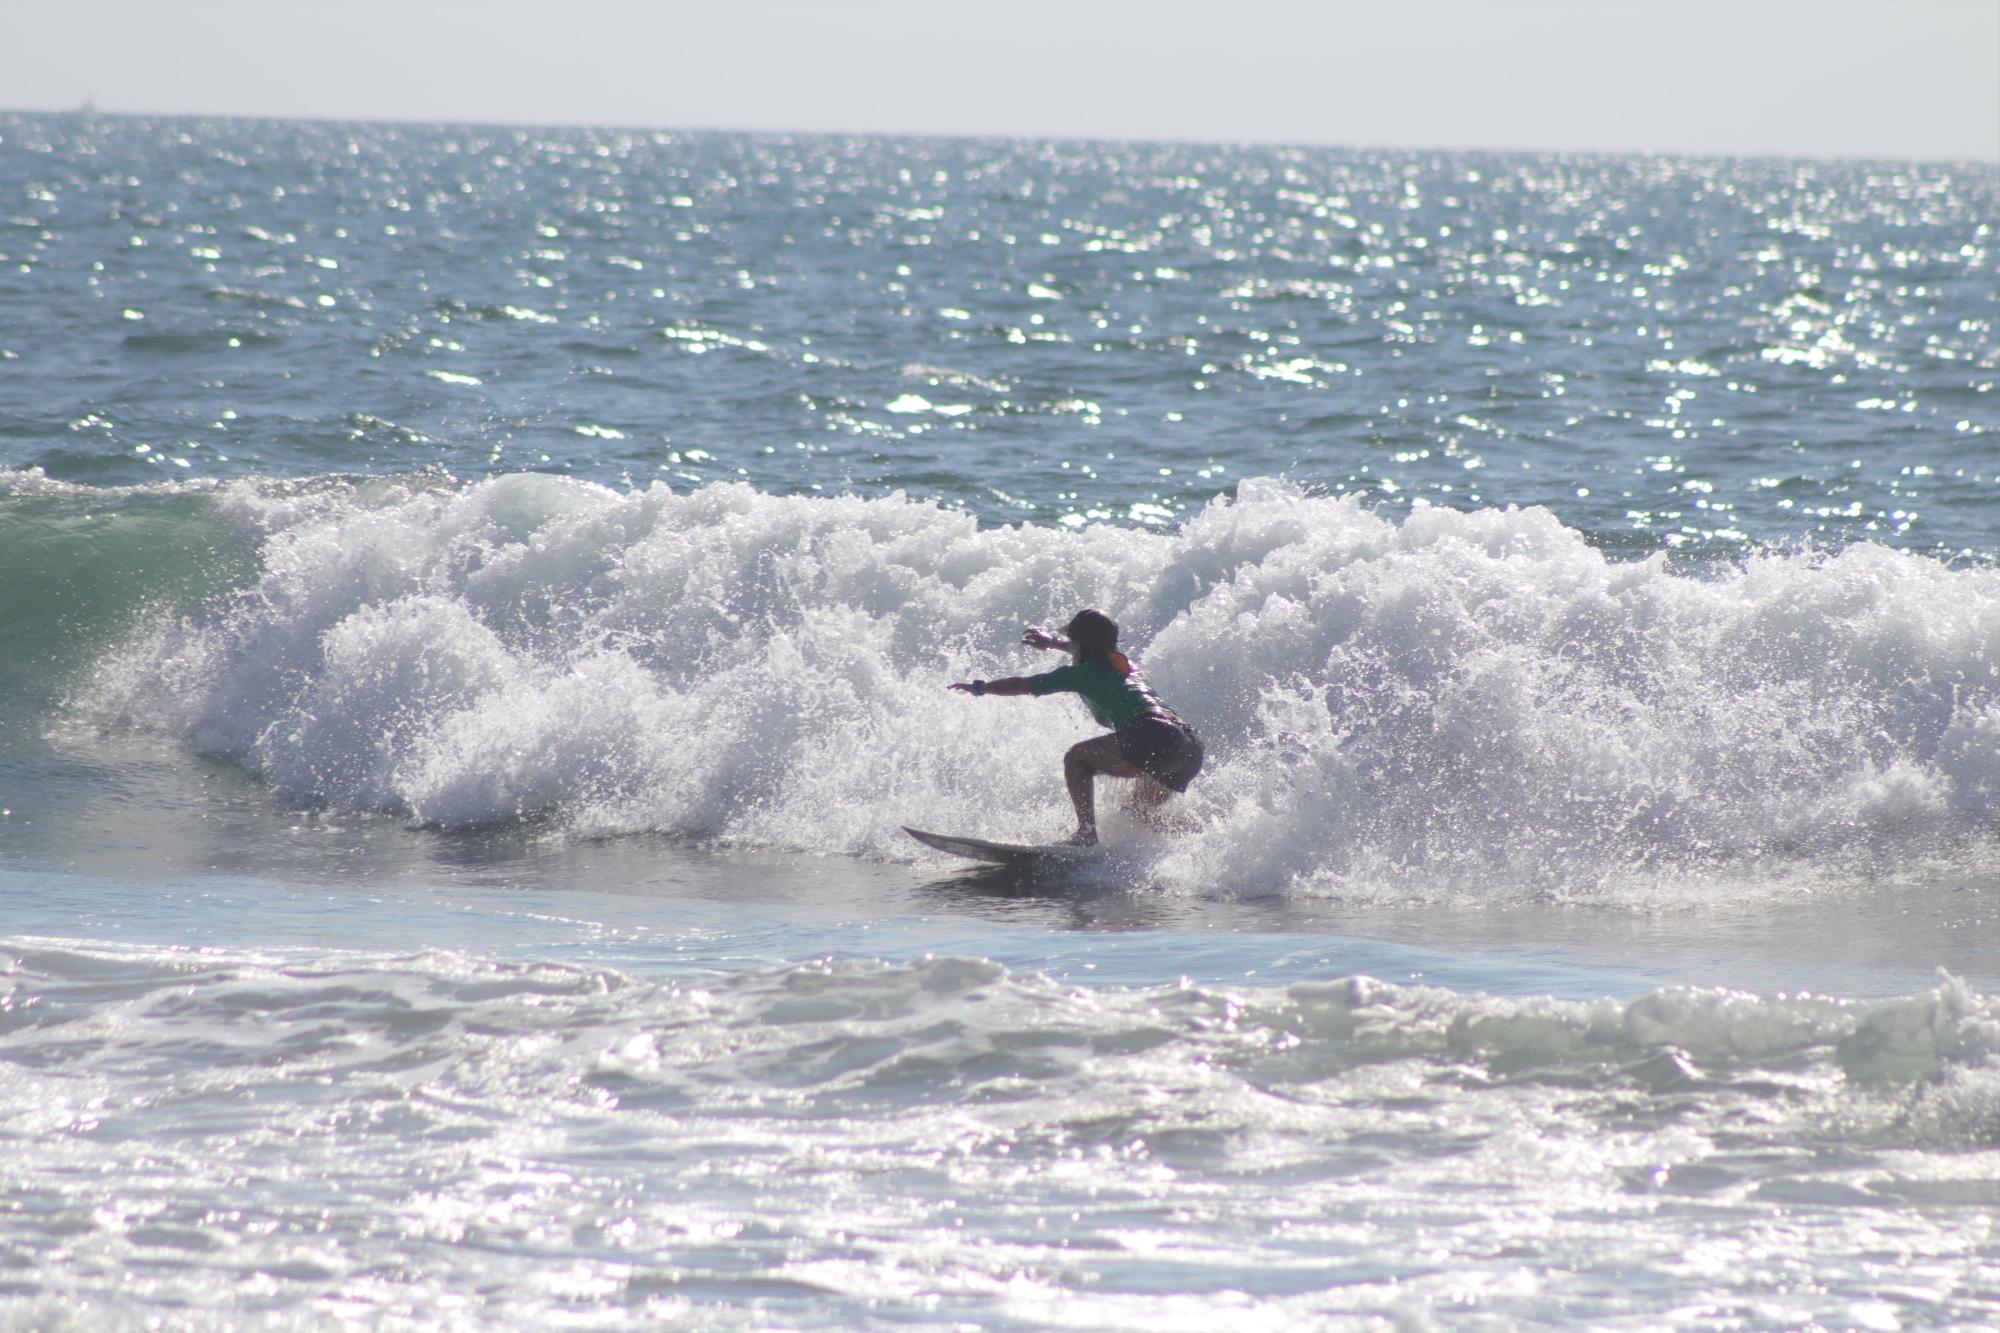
(1085, 760)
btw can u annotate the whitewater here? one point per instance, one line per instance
(1392, 703)
(478, 607)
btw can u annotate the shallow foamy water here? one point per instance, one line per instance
(594, 1108)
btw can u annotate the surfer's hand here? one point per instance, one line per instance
(1036, 638)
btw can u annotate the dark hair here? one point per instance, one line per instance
(1095, 636)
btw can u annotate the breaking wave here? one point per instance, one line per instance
(1389, 705)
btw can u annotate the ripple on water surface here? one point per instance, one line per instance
(364, 1134)
(1680, 353)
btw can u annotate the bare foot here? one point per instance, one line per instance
(1083, 837)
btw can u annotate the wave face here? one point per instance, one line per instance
(1390, 705)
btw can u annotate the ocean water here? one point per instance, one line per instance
(477, 605)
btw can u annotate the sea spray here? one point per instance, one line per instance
(1442, 699)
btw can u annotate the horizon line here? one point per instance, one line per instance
(90, 109)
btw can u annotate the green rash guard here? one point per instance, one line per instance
(1116, 701)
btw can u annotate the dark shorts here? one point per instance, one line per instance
(1164, 749)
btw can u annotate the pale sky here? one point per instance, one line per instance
(1822, 78)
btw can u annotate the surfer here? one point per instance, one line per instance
(1148, 741)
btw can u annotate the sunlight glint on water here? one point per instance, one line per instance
(477, 607)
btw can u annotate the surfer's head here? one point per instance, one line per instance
(1094, 635)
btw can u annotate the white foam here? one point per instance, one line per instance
(1006, 1138)
(1390, 708)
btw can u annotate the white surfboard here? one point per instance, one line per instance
(1004, 853)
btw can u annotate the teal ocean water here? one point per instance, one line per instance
(477, 605)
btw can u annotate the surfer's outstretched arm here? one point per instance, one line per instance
(1034, 638)
(1009, 685)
